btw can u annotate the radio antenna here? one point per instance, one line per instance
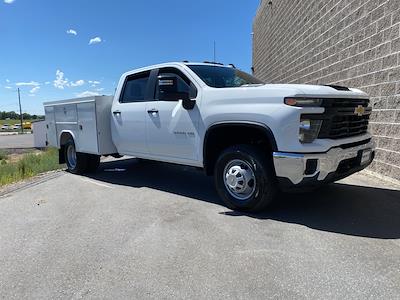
(215, 52)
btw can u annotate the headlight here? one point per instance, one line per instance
(309, 130)
(303, 102)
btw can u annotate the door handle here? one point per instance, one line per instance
(153, 111)
(117, 112)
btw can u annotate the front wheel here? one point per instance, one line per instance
(245, 178)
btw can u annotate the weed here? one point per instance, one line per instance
(30, 165)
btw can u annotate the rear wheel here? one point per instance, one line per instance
(77, 163)
(245, 179)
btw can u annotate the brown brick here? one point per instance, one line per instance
(351, 42)
(394, 73)
(383, 50)
(395, 173)
(390, 61)
(395, 46)
(387, 115)
(384, 23)
(393, 130)
(393, 102)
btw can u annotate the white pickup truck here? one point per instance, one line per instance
(255, 138)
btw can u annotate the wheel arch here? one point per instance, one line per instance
(64, 136)
(218, 130)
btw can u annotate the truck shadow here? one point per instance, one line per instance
(339, 208)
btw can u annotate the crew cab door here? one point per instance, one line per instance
(129, 115)
(172, 131)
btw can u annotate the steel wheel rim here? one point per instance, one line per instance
(71, 156)
(239, 179)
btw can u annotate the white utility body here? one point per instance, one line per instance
(87, 120)
(255, 138)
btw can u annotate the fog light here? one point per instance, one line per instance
(309, 130)
(311, 166)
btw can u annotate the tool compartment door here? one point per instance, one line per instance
(51, 133)
(87, 127)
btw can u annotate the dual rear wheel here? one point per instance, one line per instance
(78, 163)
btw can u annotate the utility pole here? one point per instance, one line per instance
(20, 111)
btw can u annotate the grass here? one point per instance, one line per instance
(29, 165)
(3, 155)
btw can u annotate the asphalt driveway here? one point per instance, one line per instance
(17, 141)
(149, 230)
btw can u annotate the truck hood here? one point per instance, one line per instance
(274, 93)
(307, 90)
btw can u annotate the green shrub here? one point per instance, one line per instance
(30, 165)
(3, 155)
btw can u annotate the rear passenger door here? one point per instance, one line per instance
(129, 115)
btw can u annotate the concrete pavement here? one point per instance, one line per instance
(149, 230)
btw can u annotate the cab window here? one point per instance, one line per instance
(135, 88)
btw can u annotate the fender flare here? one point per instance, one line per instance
(70, 132)
(267, 131)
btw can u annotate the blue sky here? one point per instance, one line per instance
(46, 62)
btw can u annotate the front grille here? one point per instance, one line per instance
(344, 103)
(343, 126)
(342, 120)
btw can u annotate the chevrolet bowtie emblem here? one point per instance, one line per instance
(359, 111)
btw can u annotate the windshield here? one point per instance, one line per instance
(223, 77)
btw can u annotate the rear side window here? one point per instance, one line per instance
(135, 88)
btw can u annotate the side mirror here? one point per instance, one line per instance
(168, 91)
(187, 103)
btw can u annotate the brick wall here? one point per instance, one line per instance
(354, 43)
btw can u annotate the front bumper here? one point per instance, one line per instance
(307, 169)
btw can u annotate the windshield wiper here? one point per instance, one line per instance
(251, 84)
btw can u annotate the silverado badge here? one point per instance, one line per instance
(359, 111)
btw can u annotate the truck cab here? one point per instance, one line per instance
(255, 138)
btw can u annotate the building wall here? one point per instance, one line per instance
(354, 43)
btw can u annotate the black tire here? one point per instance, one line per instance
(264, 186)
(81, 163)
(93, 162)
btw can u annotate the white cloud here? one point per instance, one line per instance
(78, 83)
(100, 89)
(31, 83)
(95, 40)
(34, 90)
(8, 80)
(8, 87)
(72, 31)
(9, 1)
(47, 82)
(60, 82)
(87, 94)
(94, 83)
